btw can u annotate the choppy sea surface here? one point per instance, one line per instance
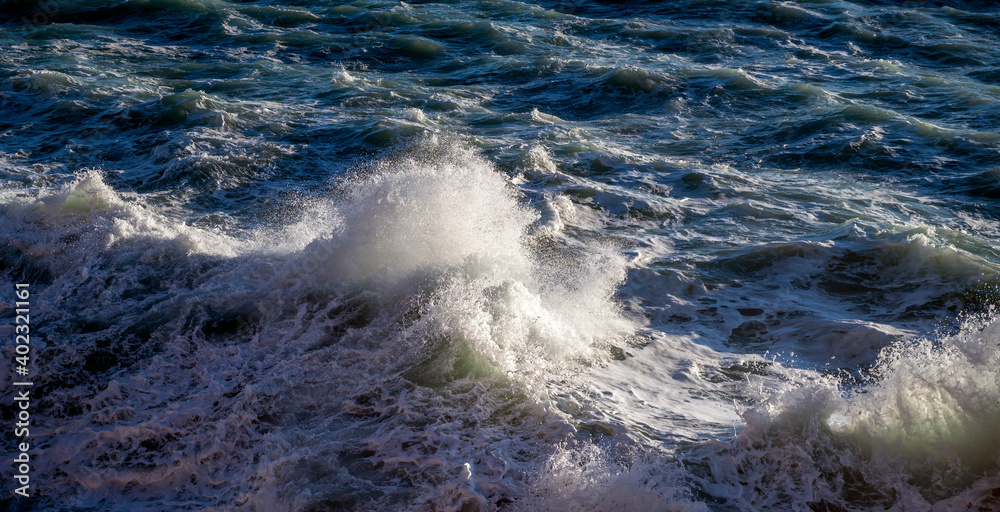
(489, 255)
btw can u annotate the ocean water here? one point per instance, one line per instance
(569, 255)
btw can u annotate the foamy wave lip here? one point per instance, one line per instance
(95, 217)
(441, 227)
(922, 434)
(934, 403)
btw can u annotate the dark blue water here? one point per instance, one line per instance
(494, 255)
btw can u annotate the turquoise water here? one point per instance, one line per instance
(494, 255)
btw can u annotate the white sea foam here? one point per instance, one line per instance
(95, 218)
(449, 219)
(922, 434)
(427, 291)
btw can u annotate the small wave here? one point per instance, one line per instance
(920, 435)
